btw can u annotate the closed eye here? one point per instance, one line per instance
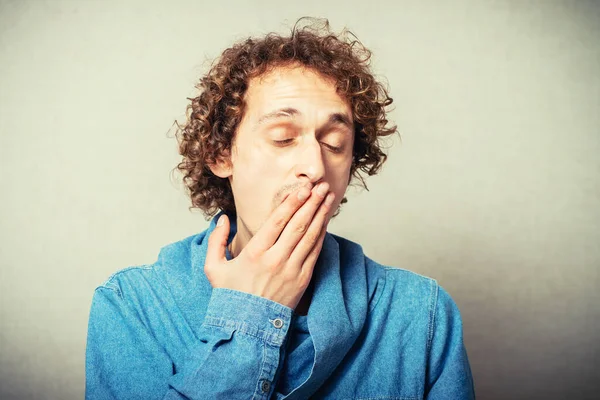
(285, 142)
(282, 143)
(334, 148)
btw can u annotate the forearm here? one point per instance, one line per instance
(237, 353)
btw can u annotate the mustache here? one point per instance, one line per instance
(285, 190)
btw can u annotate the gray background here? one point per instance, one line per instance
(494, 190)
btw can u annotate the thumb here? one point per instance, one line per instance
(217, 242)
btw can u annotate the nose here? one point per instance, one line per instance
(310, 165)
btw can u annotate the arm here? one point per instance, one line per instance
(448, 371)
(238, 349)
(247, 319)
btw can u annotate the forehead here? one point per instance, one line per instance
(296, 87)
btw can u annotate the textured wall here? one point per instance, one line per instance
(494, 190)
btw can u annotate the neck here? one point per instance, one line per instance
(241, 238)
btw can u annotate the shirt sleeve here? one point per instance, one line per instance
(448, 371)
(236, 355)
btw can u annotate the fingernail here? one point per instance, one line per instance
(303, 193)
(329, 198)
(221, 221)
(322, 189)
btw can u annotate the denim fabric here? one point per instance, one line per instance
(300, 354)
(161, 331)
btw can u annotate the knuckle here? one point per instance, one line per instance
(249, 252)
(252, 255)
(289, 277)
(312, 237)
(315, 251)
(280, 222)
(303, 279)
(302, 285)
(272, 264)
(301, 229)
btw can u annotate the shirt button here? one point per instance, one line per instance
(278, 323)
(265, 386)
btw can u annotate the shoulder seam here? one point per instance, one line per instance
(110, 284)
(409, 271)
(112, 287)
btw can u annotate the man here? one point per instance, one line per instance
(265, 304)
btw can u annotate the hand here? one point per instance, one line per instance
(278, 262)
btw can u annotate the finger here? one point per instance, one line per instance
(313, 234)
(300, 224)
(311, 259)
(272, 228)
(217, 242)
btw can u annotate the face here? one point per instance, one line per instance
(296, 130)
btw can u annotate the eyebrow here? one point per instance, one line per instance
(288, 112)
(282, 112)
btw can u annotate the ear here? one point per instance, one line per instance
(222, 167)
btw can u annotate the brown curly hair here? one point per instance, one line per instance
(213, 116)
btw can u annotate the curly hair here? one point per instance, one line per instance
(213, 116)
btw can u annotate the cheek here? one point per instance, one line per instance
(257, 174)
(340, 191)
(339, 179)
(255, 161)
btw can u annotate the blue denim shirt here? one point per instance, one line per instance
(161, 331)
